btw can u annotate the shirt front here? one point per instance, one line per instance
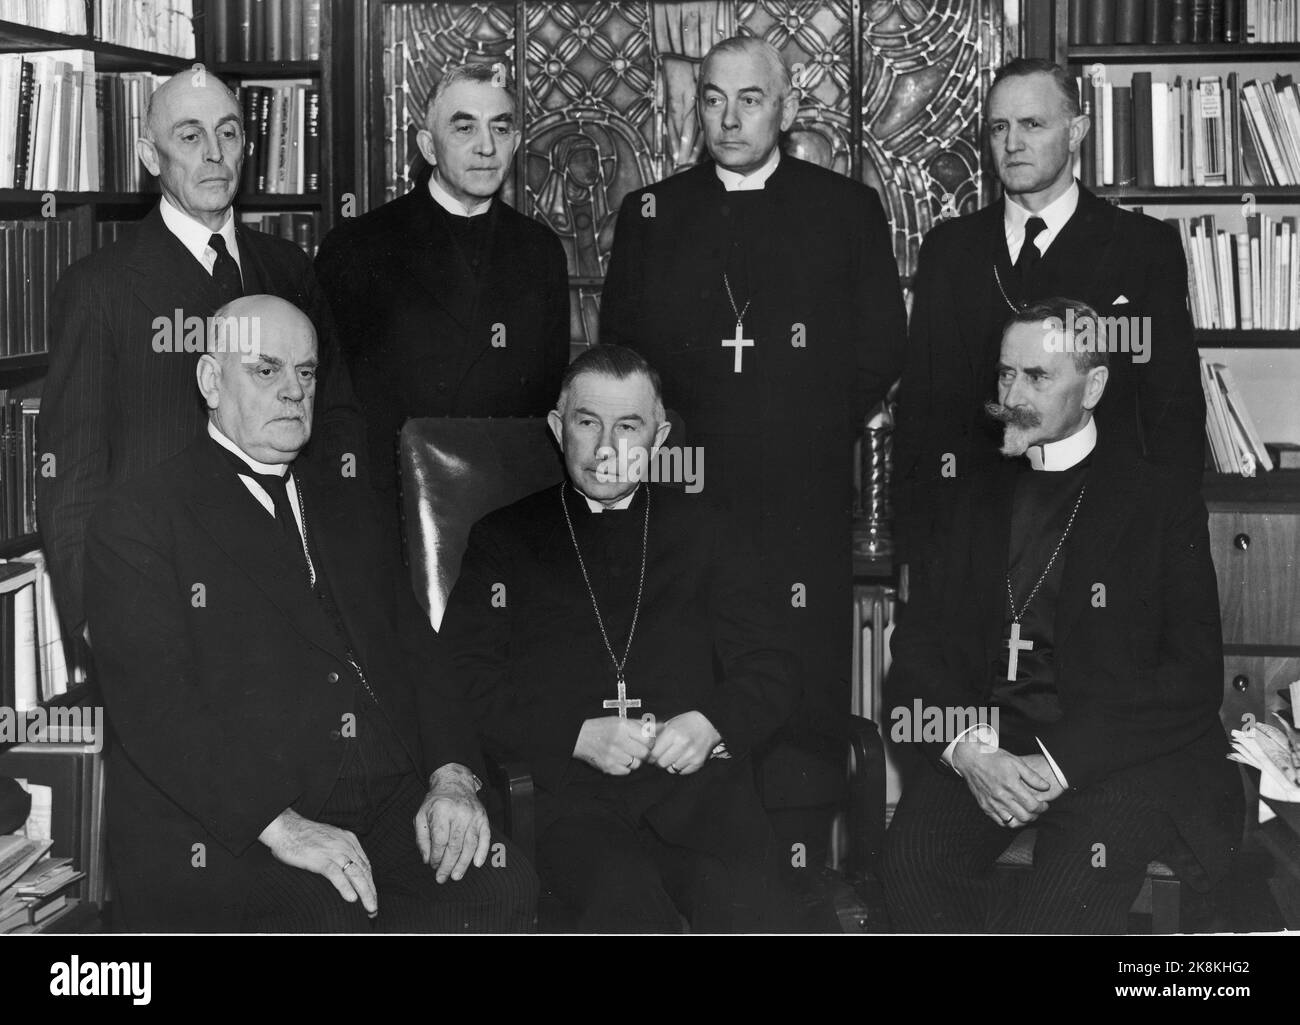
(752, 182)
(453, 205)
(1055, 215)
(194, 235)
(254, 488)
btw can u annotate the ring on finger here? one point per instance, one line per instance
(348, 864)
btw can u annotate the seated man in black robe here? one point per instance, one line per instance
(1075, 618)
(604, 594)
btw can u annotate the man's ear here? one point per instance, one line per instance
(1079, 127)
(208, 374)
(1092, 391)
(424, 140)
(556, 424)
(148, 154)
(661, 433)
(789, 109)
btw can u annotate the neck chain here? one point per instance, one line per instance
(1005, 298)
(1011, 601)
(640, 587)
(740, 314)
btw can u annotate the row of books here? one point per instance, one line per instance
(52, 15)
(65, 127)
(1201, 131)
(40, 889)
(300, 226)
(18, 461)
(1133, 22)
(32, 256)
(1248, 281)
(1234, 442)
(265, 30)
(33, 665)
(282, 137)
(159, 26)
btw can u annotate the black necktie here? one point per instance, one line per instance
(1029, 257)
(225, 272)
(277, 489)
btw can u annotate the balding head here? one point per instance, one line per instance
(193, 140)
(258, 378)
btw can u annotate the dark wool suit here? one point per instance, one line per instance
(227, 684)
(626, 852)
(426, 334)
(112, 406)
(811, 254)
(958, 313)
(1138, 678)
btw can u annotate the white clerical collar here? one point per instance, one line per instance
(1054, 215)
(1068, 452)
(752, 182)
(277, 469)
(194, 234)
(453, 205)
(622, 503)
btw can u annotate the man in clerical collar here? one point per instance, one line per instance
(286, 759)
(1060, 667)
(635, 667)
(450, 302)
(1048, 235)
(765, 290)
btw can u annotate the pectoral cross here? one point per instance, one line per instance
(739, 344)
(1017, 646)
(622, 702)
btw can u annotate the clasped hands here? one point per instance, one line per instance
(1010, 789)
(618, 747)
(451, 830)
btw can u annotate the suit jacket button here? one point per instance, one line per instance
(336, 734)
(333, 677)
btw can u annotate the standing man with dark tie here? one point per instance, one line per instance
(119, 397)
(765, 290)
(1047, 236)
(449, 302)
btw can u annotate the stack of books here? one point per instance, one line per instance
(1234, 443)
(1131, 22)
(18, 465)
(302, 227)
(265, 30)
(282, 137)
(65, 127)
(33, 665)
(52, 15)
(32, 256)
(1208, 130)
(33, 887)
(159, 26)
(1244, 281)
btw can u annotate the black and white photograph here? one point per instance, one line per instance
(744, 471)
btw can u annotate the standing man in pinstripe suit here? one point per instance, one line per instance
(119, 397)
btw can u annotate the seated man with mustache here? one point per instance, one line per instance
(1075, 614)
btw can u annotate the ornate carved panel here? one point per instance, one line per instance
(889, 90)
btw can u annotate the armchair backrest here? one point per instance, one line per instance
(455, 470)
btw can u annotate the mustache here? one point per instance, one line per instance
(1013, 415)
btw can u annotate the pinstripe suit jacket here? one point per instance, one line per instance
(113, 407)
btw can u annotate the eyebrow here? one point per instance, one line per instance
(464, 115)
(584, 411)
(747, 89)
(193, 122)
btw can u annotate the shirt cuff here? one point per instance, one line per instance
(946, 757)
(1056, 769)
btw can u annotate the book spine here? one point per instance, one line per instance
(220, 12)
(250, 97)
(274, 35)
(1078, 22)
(1129, 18)
(1159, 13)
(1088, 148)
(243, 37)
(263, 141)
(1180, 22)
(1144, 150)
(311, 30)
(1200, 21)
(1231, 21)
(257, 46)
(1214, 21)
(1123, 114)
(1101, 22)
(293, 30)
(22, 143)
(312, 153)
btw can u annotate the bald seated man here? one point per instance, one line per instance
(289, 757)
(127, 326)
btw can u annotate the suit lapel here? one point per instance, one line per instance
(251, 266)
(1073, 255)
(434, 260)
(241, 528)
(1105, 512)
(167, 277)
(987, 253)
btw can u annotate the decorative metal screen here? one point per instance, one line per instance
(890, 93)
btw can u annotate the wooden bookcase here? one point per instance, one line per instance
(1254, 523)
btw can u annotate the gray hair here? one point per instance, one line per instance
(752, 46)
(484, 74)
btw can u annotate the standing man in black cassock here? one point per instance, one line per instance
(765, 290)
(977, 270)
(449, 302)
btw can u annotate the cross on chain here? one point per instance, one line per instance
(1017, 646)
(739, 344)
(622, 702)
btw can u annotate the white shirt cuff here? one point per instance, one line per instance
(946, 758)
(1060, 776)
